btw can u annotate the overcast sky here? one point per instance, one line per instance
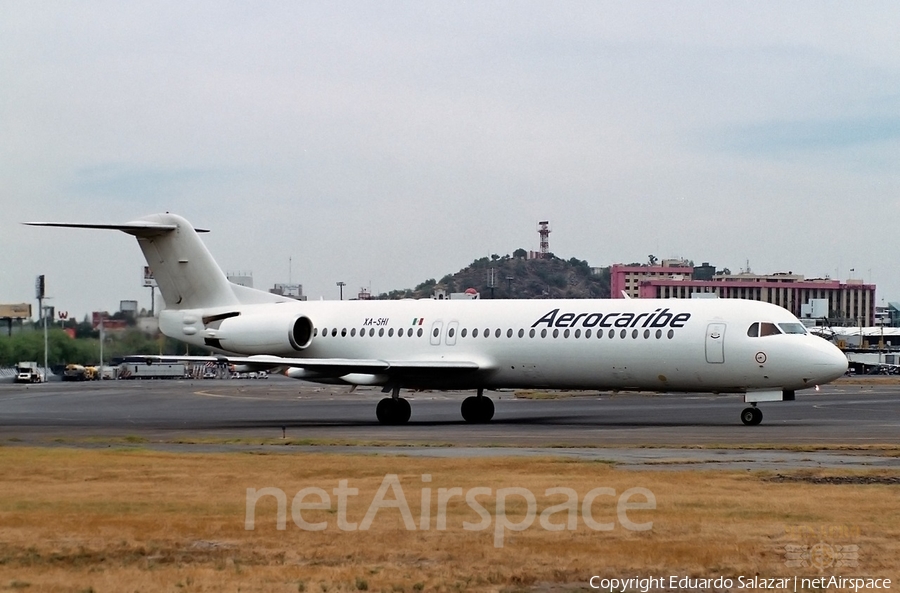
(384, 143)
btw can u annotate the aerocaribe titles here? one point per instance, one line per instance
(658, 318)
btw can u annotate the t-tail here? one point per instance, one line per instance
(186, 273)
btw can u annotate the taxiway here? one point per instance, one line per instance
(658, 430)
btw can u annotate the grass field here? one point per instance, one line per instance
(135, 520)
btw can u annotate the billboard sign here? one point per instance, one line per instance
(16, 311)
(149, 280)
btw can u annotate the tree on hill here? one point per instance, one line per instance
(518, 278)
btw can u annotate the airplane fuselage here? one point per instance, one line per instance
(647, 344)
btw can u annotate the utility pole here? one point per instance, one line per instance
(46, 366)
(39, 290)
(341, 285)
(150, 282)
(102, 316)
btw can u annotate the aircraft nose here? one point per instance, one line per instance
(831, 363)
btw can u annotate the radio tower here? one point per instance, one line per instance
(543, 229)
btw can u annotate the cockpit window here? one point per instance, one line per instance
(768, 329)
(764, 328)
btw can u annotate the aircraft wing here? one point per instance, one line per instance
(335, 367)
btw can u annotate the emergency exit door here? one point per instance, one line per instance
(715, 343)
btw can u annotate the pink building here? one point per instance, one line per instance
(848, 303)
(627, 279)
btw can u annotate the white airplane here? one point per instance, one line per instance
(663, 345)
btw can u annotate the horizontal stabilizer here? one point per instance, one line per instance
(138, 228)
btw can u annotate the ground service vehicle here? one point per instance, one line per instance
(163, 370)
(77, 372)
(29, 372)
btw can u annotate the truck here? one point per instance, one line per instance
(77, 372)
(130, 370)
(29, 372)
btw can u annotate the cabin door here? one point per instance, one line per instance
(715, 343)
(436, 328)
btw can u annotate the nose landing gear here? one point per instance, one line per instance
(751, 416)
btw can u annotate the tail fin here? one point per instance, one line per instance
(187, 275)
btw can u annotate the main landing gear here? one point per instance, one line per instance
(394, 409)
(477, 409)
(751, 416)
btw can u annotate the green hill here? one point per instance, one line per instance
(516, 277)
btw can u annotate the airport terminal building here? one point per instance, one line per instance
(850, 303)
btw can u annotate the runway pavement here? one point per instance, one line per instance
(615, 427)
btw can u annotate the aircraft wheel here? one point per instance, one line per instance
(486, 411)
(469, 409)
(383, 410)
(404, 410)
(477, 409)
(393, 411)
(751, 416)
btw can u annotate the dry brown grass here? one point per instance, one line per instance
(115, 520)
(864, 380)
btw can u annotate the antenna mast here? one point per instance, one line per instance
(543, 229)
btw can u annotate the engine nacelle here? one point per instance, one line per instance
(258, 333)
